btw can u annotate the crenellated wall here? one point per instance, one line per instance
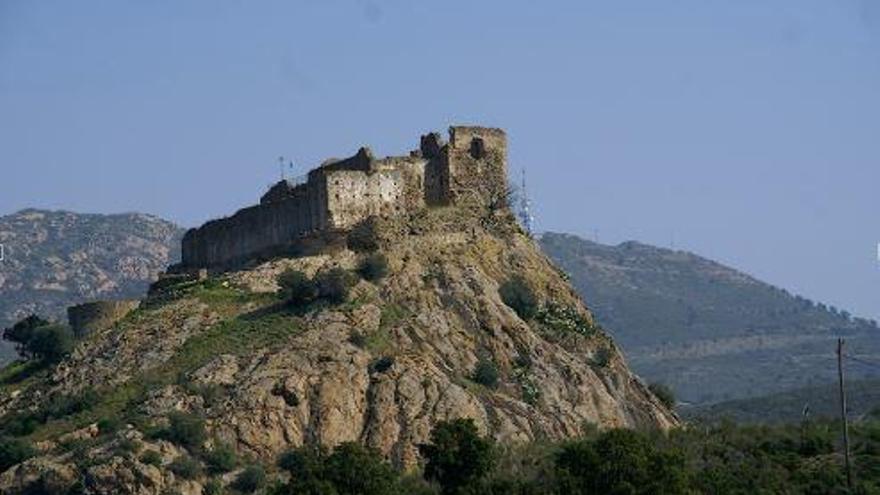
(341, 193)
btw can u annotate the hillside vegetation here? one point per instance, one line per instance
(54, 259)
(448, 313)
(708, 331)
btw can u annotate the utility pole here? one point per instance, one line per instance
(843, 414)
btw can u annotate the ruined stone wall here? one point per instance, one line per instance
(93, 316)
(395, 185)
(476, 165)
(257, 230)
(471, 168)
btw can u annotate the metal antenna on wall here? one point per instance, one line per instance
(525, 206)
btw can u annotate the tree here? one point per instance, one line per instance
(620, 461)
(350, 470)
(458, 458)
(14, 451)
(52, 343)
(356, 470)
(21, 332)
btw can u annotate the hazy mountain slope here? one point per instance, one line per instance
(380, 368)
(863, 397)
(709, 331)
(53, 259)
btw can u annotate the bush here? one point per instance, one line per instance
(107, 426)
(457, 457)
(486, 373)
(221, 459)
(335, 284)
(363, 237)
(186, 467)
(187, 430)
(251, 479)
(51, 343)
(152, 458)
(356, 470)
(213, 487)
(564, 319)
(519, 296)
(619, 461)
(374, 267)
(14, 451)
(297, 288)
(664, 393)
(350, 470)
(382, 364)
(603, 356)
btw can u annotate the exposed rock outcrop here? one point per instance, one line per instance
(382, 368)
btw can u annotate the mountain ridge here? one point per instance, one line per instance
(710, 331)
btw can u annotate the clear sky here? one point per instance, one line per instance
(744, 130)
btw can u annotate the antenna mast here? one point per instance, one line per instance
(525, 207)
(281, 167)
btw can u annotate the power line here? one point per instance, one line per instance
(863, 361)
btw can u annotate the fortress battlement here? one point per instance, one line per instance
(339, 194)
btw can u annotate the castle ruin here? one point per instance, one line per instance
(470, 169)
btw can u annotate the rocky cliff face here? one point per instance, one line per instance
(381, 368)
(54, 259)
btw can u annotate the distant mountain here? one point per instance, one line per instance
(53, 259)
(821, 401)
(710, 332)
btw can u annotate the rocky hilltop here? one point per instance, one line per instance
(54, 259)
(380, 366)
(707, 330)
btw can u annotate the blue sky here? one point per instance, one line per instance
(744, 130)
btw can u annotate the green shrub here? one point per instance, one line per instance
(350, 470)
(519, 296)
(564, 319)
(251, 479)
(297, 288)
(457, 458)
(335, 284)
(374, 267)
(187, 430)
(603, 356)
(221, 459)
(382, 364)
(14, 451)
(186, 467)
(126, 446)
(213, 487)
(486, 373)
(664, 393)
(531, 392)
(363, 237)
(354, 469)
(107, 426)
(152, 458)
